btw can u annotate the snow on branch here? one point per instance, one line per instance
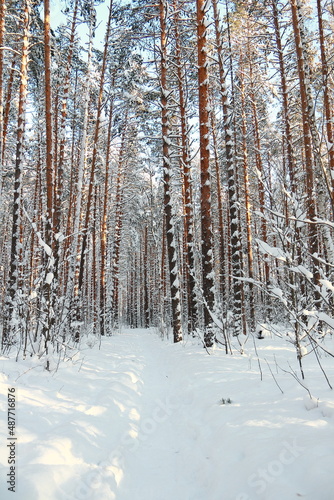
(47, 249)
(276, 252)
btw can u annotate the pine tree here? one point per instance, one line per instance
(12, 311)
(204, 133)
(170, 234)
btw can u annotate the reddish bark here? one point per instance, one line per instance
(204, 130)
(307, 138)
(186, 176)
(95, 147)
(48, 120)
(328, 105)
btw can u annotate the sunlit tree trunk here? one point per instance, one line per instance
(248, 209)
(49, 317)
(63, 123)
(186, 176)
(328, 104)
(290, 160)
(95, 146)
(307, 138)
(48, 121)
(204, 131)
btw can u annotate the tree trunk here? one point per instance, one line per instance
(258, 160)
(72, 292)
(95, 146)
(104, 227)
(118, 226)
(328, 105)
(60, 161)
(221, 228)
(290, 160)
(145, 284)
(171, 242)
(49, 318)
(14, 272)
(2, 39)
(231, 179)
(6, 110)
(248, 212)
(309, 164)
(204, 130)
(48, 121)
(187, 186)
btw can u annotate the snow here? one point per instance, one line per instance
(327, 284)
(42, 243)
(59, 237)
(276, 252)
(206, 22)
(206, 6)
(326, 319)
(301, 269)
(277, 292)
(204, 82)
(48, 279)
(141, 418)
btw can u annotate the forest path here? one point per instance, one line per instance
(160, 456)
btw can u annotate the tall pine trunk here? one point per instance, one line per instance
(118, 225)
(48, 291)
(170, 230)
(308, 151)
(328, 104)
(236, 258)
(2, 38)
(187, 185)
(7, 107)
(95, 147)
(248, 212)
(104, 227)
(59, 162)
(204, 130)
(71, 311)
(11, 306)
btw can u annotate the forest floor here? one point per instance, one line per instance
(140, 418)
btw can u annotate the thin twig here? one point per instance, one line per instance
(296, 378)
(318, 359)
(203, 342)
(280, 388)
(258, 359)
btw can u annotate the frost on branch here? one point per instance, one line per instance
(276, 252)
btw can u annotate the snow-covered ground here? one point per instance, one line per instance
(144, 419)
